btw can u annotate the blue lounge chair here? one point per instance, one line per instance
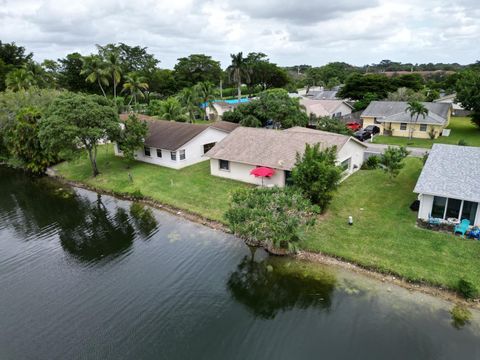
(462, 227)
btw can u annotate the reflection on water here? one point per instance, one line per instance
(273, 284)
(79, 280)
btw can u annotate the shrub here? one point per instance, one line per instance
(462, 142)
(272, 218)
(467, 289)
(316, 174)
(250, 121)
(392, 160)
(373, 162)
(460, 316)
(432, 133)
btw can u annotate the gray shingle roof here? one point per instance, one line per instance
(451, 171)
(394, 111)
(273, 148)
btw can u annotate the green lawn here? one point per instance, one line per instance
(462, 128)
(384, 235)
(192, 188)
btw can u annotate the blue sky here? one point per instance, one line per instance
(290, 32)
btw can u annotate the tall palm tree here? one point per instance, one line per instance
(19, 79)
(239, 70)
(95, 70)
(415, 109)
(135, 85)
(113, 66)
(190, 100)
(205, 91)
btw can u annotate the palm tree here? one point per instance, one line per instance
(135, 85)
(171, 109)
(19, 79)
(95, 70)
(238, 71)
(415, 108)
(114, 68)
(190, 100)
(205, 91)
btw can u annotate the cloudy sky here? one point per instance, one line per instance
(290, 31)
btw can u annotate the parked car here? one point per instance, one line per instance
(362, 135)
(354, 126)
(372, 129)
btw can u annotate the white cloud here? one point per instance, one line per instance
(289, 31)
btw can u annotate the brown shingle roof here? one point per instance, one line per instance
(172, 135)
(273, 148)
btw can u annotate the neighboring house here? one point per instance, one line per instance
(330, 108)
(222, 106)
(393, 118)
(457, 108)
(319, 93)
(448, 185)
(246, 148)
(176, 144)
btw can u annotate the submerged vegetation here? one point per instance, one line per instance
(461, 316)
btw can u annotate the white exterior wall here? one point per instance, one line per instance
(354, 151)
(425, 209)
(343, 109)
(241, 172)
(193, 151)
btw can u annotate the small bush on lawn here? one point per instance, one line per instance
(467, 289)
(272, 218)
(373, 162)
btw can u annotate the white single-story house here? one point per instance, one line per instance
(449, 184)
(330, 108)
(176, 144)
(393, 118)
(247, 148)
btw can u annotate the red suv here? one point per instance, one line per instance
(354, 126)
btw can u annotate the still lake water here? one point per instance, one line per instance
(82, 276)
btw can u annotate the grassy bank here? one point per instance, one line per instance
(384, 235)
(192, 188)
(462, 129)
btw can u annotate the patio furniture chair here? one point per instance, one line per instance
(462, 227)
(433, 221)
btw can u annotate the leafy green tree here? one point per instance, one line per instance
(75, 121)
(265, 74)
(250, 121)
(365, 101)
(19, 79)
(272, 218)
(239, 71)
(132, 136)
(70, 75)
(235, 116)
(405, 94)
(168, 109)
(24, 144)
(415, 109)
(135, 85)
(411, 81)
(392, 160)
(357, 85)
(197, 68)
(95, 70)
(333, 125)
(131, 58)
(206, 94)
(468, 93)
(162, 83)
(12, 57)
(316, 174)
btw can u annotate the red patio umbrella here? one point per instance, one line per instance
(262, 172)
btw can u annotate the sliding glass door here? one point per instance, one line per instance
(445, 208)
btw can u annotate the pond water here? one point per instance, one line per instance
(84, 276)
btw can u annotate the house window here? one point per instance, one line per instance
(453, 208)
(438, 207)
(345, 164)
(146, 151)
(207, 147)
(173, 155)
(159, 153)
(182, 154)
(403, 126)
(469, 211)
(224, 165)
(423, 127)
